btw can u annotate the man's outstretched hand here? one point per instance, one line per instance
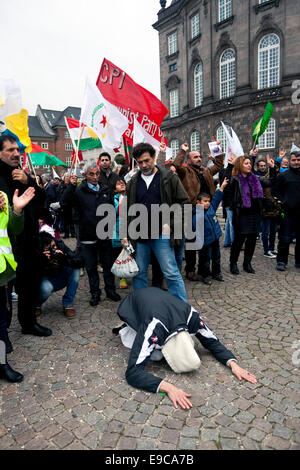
(178, 397)
(241, 373)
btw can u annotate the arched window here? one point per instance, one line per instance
(174, 144)
(227, 74)
(268, 139)
(195, 141)
(198, 84)
(222, 138)
(269, 61)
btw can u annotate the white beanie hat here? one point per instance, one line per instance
(180, 353)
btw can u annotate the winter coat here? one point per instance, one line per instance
(171, 192)
(189, 175)
(157, 315)
(212, 229)
(109, 180)
(287, 189)
(85, 202)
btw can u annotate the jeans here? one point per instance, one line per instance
(229, 230)
(268, 233)
(91, 254)
(288, 225)
(69, 278)
(210, 254)
(166, 257)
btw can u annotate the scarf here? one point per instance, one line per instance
(251, 188)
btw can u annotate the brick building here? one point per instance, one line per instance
(48, 129)
(224, 60)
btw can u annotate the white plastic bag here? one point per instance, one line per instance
(125, 265)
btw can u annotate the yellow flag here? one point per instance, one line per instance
(18, 124)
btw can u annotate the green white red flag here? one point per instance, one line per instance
(88, 139)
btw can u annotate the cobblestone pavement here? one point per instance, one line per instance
(74, 394)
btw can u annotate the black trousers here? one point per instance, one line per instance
(91, 254)
(5, 310)
(288, 225)
(250, 244)
(28, 282)
(190, 261)
(210, 257)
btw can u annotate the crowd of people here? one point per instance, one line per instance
(260, 197)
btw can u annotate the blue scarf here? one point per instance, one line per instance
(93, 186)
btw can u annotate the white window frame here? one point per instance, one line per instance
(68, 147)
(174, 103)
(195, 25)
(69, 161)
(227, 65)
(172, 43)
(220, 134)
(268, 139)
(198, 84)
(45, 145)
(195, 141)
(67, 135)
(225, 10)
(268, 61)
(174, 144)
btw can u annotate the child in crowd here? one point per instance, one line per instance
(120, 191)
(210, 253)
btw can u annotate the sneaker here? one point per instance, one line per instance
(207, 280)
(14, 297)
(274, 252)
(123, 283)
(281, 266)
(270, 255)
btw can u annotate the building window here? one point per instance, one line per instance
(198, 84)
(172, 43)
(173, 68)
(195, 141)
(268, 139)
(69, 161)
(227, 74)
(195, 25)
(174, 103)
(67, 135)
(225, 10)
(222, 138)
(45, 145)
(68, 147)
(175, 147)
(268, 61)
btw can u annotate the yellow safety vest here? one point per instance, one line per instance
(6, 254)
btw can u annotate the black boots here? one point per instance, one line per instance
(37, 330)
(7, 373)
(247, 266)
(95, 299)
(234, 268)
(112, 295)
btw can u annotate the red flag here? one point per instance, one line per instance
(132, 99)
(80, 157)
(24, 160)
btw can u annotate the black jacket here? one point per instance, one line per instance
(155, 315)
(171, 192)
(287, 189)
(85, 202)
(28, 239)
(109, 180)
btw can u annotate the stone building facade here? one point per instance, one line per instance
(223, 60)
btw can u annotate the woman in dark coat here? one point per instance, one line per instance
(245, 194)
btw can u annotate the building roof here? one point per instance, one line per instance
(56, 118)
(35, 128)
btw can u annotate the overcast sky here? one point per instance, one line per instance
(50, 46)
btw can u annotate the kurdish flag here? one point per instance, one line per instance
(89, 140)
(263, 123)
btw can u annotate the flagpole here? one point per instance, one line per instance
(77, 149)
(31, 165)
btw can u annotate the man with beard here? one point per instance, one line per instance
(287, 190)
(25, 245)
(154, 186)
